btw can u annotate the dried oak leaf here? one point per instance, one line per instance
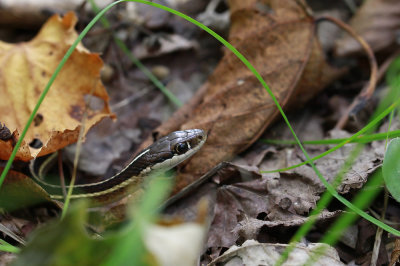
(258, 207)
(378, 22)
(244, 205)
(329, 166)
(25, 70)
(278, 38)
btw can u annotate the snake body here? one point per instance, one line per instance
(162, 155)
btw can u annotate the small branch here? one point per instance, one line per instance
(368, 90)
(61, 173)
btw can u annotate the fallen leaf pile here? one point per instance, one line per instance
(248, 205)
(25, 69)
(232, 106)
(243, 202)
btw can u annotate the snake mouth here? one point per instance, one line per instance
(197, 139)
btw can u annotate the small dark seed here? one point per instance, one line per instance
(5, 133)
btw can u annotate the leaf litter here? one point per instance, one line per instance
(233, 107)
(246, 204)
(260, 204)
(255, 253)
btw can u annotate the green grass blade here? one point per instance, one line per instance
(261, 80)
(364, 197)
(321, 204)
(6, 247)
(130, 247)
(75, 165)
(368, 127)
(360, 139)
(361, 200)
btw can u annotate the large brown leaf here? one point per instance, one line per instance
(25, 69)
(277, 37)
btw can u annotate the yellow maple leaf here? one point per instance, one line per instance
(25, 69)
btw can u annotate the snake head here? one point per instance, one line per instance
(172, 149)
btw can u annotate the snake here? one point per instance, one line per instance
(161, 156)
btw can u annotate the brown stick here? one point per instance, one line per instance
(368, 90)
(61, 172)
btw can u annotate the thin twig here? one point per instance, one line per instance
(378, 235)
(77, 152)
(367, 91)
(61, 173)
(379, 231)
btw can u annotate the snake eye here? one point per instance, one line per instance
(181, 148)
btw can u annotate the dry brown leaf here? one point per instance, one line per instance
(232, 106)
(246, 206)
(378, 22)
(25, 70)
(329, 166)
(254, 253)
(266, 203)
